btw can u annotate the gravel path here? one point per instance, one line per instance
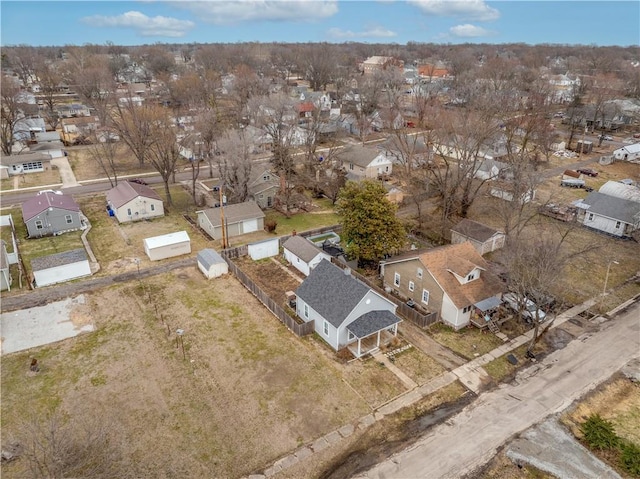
(42, 296)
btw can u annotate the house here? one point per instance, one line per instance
(5, 273)
(55, 149)
(614, 209)
(628, 152)
(394, 193)
(47, 136)
(60, 267)
(509, 191)
(72, 110)
(364, 162)
(211, 263)
(26, 163)
(452, 280)
(239, 219)
(167, 246)
(302, 254)
(131, 202)
(379, 63)
(263, 188)
(492, 170)
(51, 213)
(346, 312)
(483, 238)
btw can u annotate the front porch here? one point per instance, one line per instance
(372, 343)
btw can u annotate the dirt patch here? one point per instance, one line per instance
(239, 400)
(501, 467)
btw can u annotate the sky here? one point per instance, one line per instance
(140, 22)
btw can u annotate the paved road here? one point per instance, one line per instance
(471, 438)
(42, 296)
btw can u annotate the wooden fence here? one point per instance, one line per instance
(413, 315)
(277, 310)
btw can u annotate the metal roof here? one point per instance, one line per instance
(621, 190)
(208, 257)
(168, 239)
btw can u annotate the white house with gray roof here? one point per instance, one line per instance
(302, 254)
(132, 202)
(609, 214)
(346, 312)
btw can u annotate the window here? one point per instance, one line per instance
(425, 296)
(306, 310)
(419, 273)
(467, 309)
(471, 277)
(68, 219)
(129, 211)
(411, 286)
(617, 225)
(396, 279)
(39, 224)
(265, 178)
(351, 166)
(269, 201)
(153, 207)
(590, 216)
(325, 328)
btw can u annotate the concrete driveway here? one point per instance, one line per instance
(42, 325)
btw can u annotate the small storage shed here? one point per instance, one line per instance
(167, 246)
(211, 263)
(302, 254)
(60, 267)
(264, 249)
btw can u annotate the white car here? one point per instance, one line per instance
(529, 308)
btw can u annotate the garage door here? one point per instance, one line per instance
(249, 226)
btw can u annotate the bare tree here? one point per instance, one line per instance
(104, 153)
(11, 113)
(49, 80)
(164, 150)
(136, 126)
(54, 447)
(234, 163)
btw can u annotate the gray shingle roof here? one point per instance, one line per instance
(359, 155)
(208, 257)
(9, 160)
(302, 248)
(612, 207)
(234, 213)
(474, 230)
(331, 292)
(42, 201)
(372, 322)
(126, 191)
(58, 259)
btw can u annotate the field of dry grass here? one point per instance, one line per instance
(86, 168)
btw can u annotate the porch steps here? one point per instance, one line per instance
(493, 327)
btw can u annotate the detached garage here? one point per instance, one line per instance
(239, 219)
(167, 246)
(60, 267)
(211, 263)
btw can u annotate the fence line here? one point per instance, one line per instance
(277, 310)
(422, 320)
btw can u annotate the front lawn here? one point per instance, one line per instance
(469, 342)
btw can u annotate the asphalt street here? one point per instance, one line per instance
(470, 439)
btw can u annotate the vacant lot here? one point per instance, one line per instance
(85, 167)
(248, 391)
(468, 342)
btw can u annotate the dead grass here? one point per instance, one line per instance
(248, 391)
(501, 467)
(617, 401)
(469, 342)
(50, 177)
(417, 365)
(85, 168)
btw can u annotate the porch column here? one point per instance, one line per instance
(378, 340)
(359, 342)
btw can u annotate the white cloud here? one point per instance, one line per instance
(373, 32)
(469, 9)
(236, 11)
(145, 26)
(470, 31)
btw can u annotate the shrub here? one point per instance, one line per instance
(599, 433)
(630, 458)
(270, 225)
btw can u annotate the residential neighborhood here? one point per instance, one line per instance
(242, 259)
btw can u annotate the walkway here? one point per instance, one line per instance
(66, 173)
(471, 374)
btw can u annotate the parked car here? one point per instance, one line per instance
(607, 137)
(530, 310)
(140, 181)
(588, 172)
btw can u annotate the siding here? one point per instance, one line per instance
(408, 271)
(140, 209)
(54, 223)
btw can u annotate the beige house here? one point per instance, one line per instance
(239, 219)
(484, 239)
(453, 280)
(362, 162)
(132, 202)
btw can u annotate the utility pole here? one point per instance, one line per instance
(222, 222)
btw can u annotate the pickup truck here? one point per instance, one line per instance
(529, 308)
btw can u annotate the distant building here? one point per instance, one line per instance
(378, 63)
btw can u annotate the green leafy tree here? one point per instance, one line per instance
(370, 228)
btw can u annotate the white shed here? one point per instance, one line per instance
(60, 267)
(302, 254)
(211, 263)
(167, 246)
(628, 152)
(264, 249)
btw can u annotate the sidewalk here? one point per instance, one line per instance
(471, 375)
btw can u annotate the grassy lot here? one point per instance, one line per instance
(30, 180)
(248, 391)
(417, 365)
(500, 369)
(468, 342)
(85, 168)
(301, 222)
